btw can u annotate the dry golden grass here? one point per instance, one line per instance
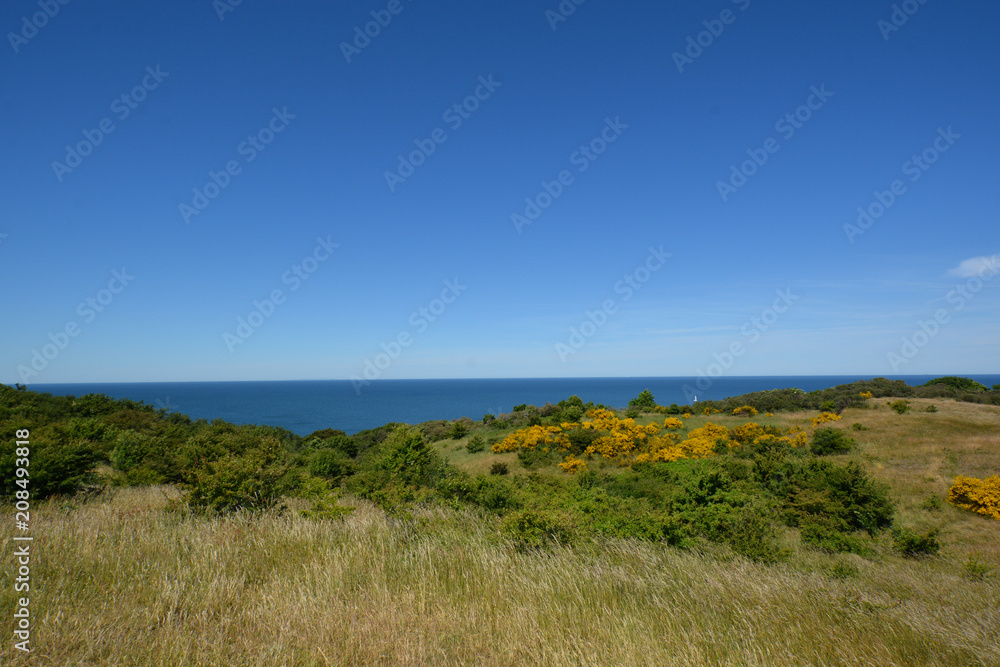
(120, 581)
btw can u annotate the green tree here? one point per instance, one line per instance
(643, 400)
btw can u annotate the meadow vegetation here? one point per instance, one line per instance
(759, 530)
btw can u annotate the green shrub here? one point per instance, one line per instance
(458, 430)
(830, 540)
(437, 430)
(976, 569)
(531, 458)
(902, 406)
(57, 467)
(958, 384)
(643, 400)
(842, 498)
(534, 528)
(499, 468)
(251, 481)
(912, 544)
(475, 444)
(520, 408)
(930, 408)
(857, 426)
(130, 450)
(488, 417)
(829, 440)
(324, 500)
(931, 504)
(332, 464)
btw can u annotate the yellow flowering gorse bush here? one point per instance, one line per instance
(978, 495)
(573, 465)
(824, 417)
(531, 438)
(747, 410)
(625, 442)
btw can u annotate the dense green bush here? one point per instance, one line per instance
(912, 544)
(475, 444)
(458, 430)
(250, 481)
(645, 399)
(901, 407)
(332, 464)
(827, 440)
(56, 468)
(130, 450)
(959, 384)
(535, 528)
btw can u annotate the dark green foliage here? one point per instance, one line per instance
(458, 430)
(830, 540)
(332, 464)
(844, 498)
(645, 399)
(499, 468)
(932, 504)
(475, 444)
(959, 384)
(840, 397)
(56, 467)
(250, 481)
(438, 430)
(535, 528)
(401, 469)
(857, 426)
(829, 440)
(531, 458)
(901, 407)
(931, 408)
(912, 544)
(488, 417)
(520, 408)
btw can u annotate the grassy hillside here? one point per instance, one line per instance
(438, 562)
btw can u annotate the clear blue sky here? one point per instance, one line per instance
(661, 131)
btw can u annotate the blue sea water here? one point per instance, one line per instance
(304, 406)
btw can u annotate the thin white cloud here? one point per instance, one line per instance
(977, 266)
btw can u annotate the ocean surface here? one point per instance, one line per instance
(304, 406)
